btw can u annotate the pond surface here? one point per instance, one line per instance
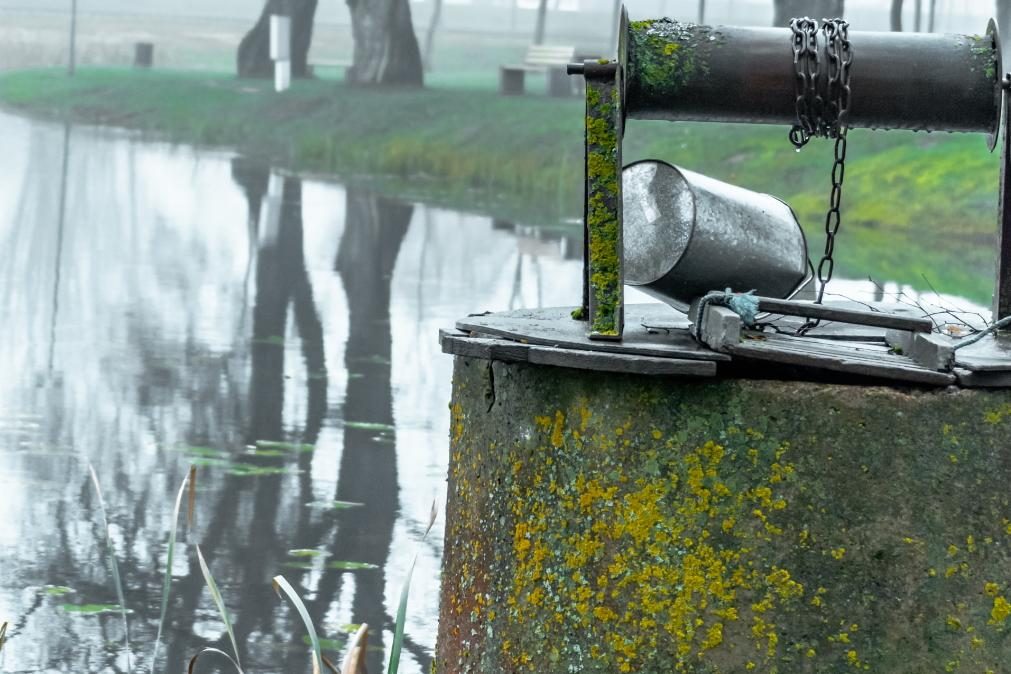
(162, 307)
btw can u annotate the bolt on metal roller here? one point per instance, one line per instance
(923, 82)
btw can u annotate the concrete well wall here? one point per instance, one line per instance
(607, 523)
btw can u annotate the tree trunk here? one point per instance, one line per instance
(430, 37)
(702, 11)
(816, 9)
(918, 16)
(254, 50)
(933, 16)
(897, 16)
(385, 48)
(542, 16)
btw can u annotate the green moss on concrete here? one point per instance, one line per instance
(613, 523)
(603, 220)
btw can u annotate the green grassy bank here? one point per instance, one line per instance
(915, 205)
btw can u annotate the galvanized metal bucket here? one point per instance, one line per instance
(686, 235)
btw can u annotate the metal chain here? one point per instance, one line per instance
(805, 64)
(830, 121)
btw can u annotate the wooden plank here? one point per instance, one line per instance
(868, 360)
(830, 312)
(990, 354)
(935, 352)
(983, 379)
(555, 327)
(498, 349)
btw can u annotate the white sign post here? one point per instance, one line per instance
(280, 50)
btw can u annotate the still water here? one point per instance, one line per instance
(161, 306)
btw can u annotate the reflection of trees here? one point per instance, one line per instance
(174, 387)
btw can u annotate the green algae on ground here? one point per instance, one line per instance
(613, 523)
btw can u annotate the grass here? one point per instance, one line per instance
(915, 206)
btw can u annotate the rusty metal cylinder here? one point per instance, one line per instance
(918, 81)
(687, 234)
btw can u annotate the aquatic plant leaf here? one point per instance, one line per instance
(214, 651)
(92, 609)
(398, 630)
(345, 565)
(369, 426)
(57, 590)
(191, 506)
(354, 661)
(166, 584)
(219, 602)
(207, 452)
(113, 564)
(304, 552)
(282, 585)
(300, 565)
(252, 470)
(292, 446)
(334, 505)
(325, 644)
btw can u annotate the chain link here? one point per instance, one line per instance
(825, 118)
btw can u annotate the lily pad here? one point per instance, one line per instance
(326, 644)
(272, 340)
(58, 590)
(290, 446)
(369, 426)
(334, 505)
(92, 609)
(344, 565)
(251, 470)
(207, 452)
(302, 566)
(304, 552)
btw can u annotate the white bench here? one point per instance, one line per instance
(539, 58)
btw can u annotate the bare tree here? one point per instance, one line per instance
(433, 25)
(785, 10)
(896, 17)
(385, 47)
(542, 16)
(254, 50)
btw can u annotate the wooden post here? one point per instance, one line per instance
(280, 50)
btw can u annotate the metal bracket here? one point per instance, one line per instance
(603, 273)
(1002, 292)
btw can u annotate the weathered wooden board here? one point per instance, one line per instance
(983, 379)
(555, 328)
(460, 344)
(990, 354)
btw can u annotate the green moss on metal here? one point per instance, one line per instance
(664, 56)
(611, 524)
(602, 207)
